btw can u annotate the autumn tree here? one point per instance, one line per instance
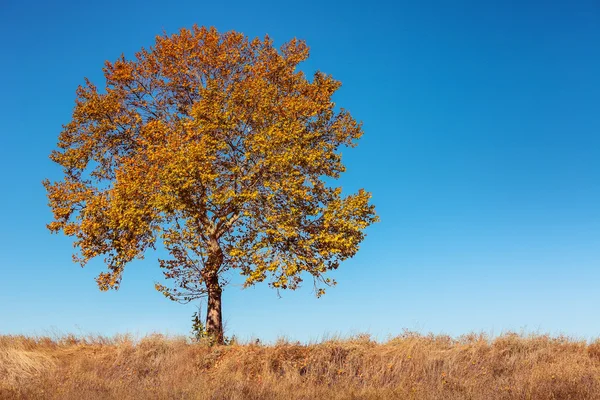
(218, 147)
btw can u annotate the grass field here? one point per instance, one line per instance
(411, 366)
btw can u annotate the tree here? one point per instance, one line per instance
(218, 147)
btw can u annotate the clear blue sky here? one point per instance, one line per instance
(481, 149)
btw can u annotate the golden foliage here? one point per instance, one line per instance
(218, 146)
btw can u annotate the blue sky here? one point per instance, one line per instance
(481, 149)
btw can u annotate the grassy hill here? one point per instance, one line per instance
(411, 366)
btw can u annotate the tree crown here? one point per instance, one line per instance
(217, 146)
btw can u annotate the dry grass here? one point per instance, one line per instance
(410, 366)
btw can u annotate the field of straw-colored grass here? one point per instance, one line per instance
(411, 366)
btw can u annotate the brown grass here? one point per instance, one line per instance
(411, 366)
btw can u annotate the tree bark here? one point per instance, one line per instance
(214, 317)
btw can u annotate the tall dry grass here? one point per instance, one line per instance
(411, 366)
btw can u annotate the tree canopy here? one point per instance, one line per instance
(219, 148)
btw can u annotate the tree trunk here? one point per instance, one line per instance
(214, 318)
